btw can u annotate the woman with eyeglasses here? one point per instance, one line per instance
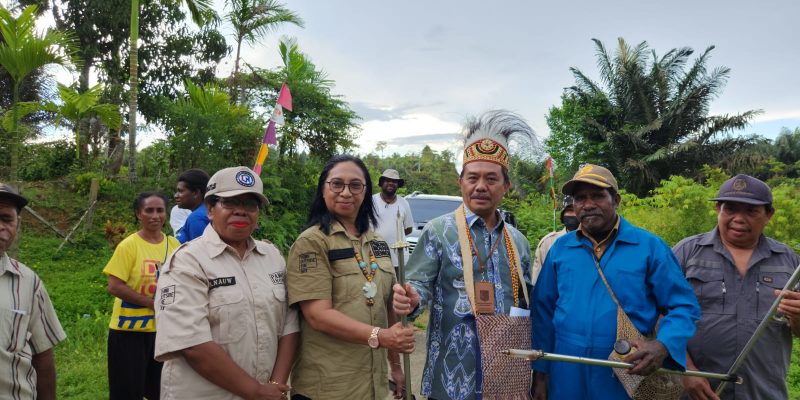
(341, 274)
(132, 273)
(225, 330)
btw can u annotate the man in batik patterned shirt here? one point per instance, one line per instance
(434, 271)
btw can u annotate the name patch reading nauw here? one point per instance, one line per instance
(224, 281)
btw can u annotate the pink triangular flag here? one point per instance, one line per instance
(285, 97)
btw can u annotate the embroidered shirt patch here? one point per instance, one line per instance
(167, 295)
(277, 278)
(224, 281)
(307, 260)
(380, 248)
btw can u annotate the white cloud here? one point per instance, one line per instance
(408, 126)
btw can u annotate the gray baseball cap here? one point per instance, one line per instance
(233, 181)
(10, 192)
(745, 189)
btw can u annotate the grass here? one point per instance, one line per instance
(75, 282)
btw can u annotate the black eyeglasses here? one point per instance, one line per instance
(247, 203)
(356, 187)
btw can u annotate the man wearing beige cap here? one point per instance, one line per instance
(29, 327)
(387, 204)
(736, 272)
(575, 312)
(224, 328)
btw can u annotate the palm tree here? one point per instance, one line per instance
(251, 20)
(659, 124)
(201, 12)
(76, 107)
(23, 51)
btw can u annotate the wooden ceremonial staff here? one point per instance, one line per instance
(401, 245)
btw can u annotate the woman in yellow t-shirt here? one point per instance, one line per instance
(132, 273)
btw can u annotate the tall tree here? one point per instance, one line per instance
(23, 51)
(201, 11)
(75, 108)
(206, 130)
(168, 53)
(648, 118)
(252, 20)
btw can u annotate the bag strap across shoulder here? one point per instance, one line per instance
(625, 327)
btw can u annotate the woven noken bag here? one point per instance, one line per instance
(504, 377)
(656, 386)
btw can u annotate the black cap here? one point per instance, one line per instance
(11, 193)
(744, 189)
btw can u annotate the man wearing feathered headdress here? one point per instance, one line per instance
(469, 264)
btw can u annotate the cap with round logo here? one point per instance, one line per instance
(234, 181)
(744, 189)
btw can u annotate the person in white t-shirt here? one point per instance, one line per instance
(177, 217)
(387, 203)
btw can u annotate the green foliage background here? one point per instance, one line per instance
(679, 207)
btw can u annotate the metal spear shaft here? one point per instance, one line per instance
(790, 285)
(533, 355)
(401, 245)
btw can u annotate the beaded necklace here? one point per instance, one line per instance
(370, 289)
(511, 258)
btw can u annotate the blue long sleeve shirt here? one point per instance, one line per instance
(574, 314)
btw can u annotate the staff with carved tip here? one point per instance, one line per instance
(401, 245)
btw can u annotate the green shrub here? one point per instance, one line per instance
(47, 160)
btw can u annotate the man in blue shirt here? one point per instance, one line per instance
(189, 193)
(574, 313)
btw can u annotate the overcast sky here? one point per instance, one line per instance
(414, 69)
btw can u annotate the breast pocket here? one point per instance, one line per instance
(13, 329)
(347, 280)
(227, 314)
(384, 277)
(770, 278)
(709, 287)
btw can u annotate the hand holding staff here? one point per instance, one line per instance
(401, 245)
(533, 355)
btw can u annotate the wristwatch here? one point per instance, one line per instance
(373, 338)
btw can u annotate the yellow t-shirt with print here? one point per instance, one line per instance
(137, 262)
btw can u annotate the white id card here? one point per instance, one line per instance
(519, 312)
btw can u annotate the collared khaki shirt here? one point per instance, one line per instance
(28, 326)
(324, 267)
(599, 247)
(206, 292)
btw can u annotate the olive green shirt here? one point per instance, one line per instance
(324, 267)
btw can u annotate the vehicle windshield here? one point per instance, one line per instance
(425, 210)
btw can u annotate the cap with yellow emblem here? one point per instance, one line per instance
(593, 175)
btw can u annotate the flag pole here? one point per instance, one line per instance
(552, 190)
(401, 246)
(270, 136)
